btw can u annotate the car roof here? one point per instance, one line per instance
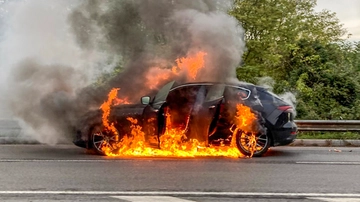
(232, 84)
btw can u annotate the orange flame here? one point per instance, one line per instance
(192, 64)
(245, 121)
(105, 107)
(173, 142)
(244, 118)
(156, 76)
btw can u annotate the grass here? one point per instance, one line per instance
(329, 135)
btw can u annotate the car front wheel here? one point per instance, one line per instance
(103, 141)
(252, 145)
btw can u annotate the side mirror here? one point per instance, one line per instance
(145, 100)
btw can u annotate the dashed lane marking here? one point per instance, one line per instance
(330, 162)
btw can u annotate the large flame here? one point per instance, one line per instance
(173, 142)
(157, 76)
(105, 107)
(192, 64)
(244, 118)
(245, 121)
(189, 65)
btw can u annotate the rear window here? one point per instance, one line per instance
(268, 96)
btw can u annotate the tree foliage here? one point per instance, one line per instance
(302, 50)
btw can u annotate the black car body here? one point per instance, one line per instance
(205, 110)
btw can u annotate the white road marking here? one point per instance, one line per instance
(330, 162)
(185, 193)
(151, 199)
(335, 199)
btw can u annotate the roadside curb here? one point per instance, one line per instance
(325, 143)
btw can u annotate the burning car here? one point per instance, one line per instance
(191, 119)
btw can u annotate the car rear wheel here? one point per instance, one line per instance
(252, 145)
(103, 141)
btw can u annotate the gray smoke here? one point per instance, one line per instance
(146, 32)
(266, 82)
(56, 50)
(43, 69)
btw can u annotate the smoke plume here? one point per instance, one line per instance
(56, 51)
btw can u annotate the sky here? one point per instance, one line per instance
(348, 12)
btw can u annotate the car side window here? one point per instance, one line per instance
(237, 93)
(182, 96)
(180, 102)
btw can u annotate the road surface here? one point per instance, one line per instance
(68, 173)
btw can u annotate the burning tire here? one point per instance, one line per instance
(102, 141)
(252, 145)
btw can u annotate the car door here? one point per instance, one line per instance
(205, 112)
(153, 116)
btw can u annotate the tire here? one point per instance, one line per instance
(102, 141)
(245, 143)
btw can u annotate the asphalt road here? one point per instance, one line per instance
(68, 173)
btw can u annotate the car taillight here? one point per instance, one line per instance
(286, 108)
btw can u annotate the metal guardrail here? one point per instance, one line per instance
(328, 125)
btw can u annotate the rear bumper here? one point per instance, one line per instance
(285, 135)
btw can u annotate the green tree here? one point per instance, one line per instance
(273, 29)
(303, 52)
(326, 80)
